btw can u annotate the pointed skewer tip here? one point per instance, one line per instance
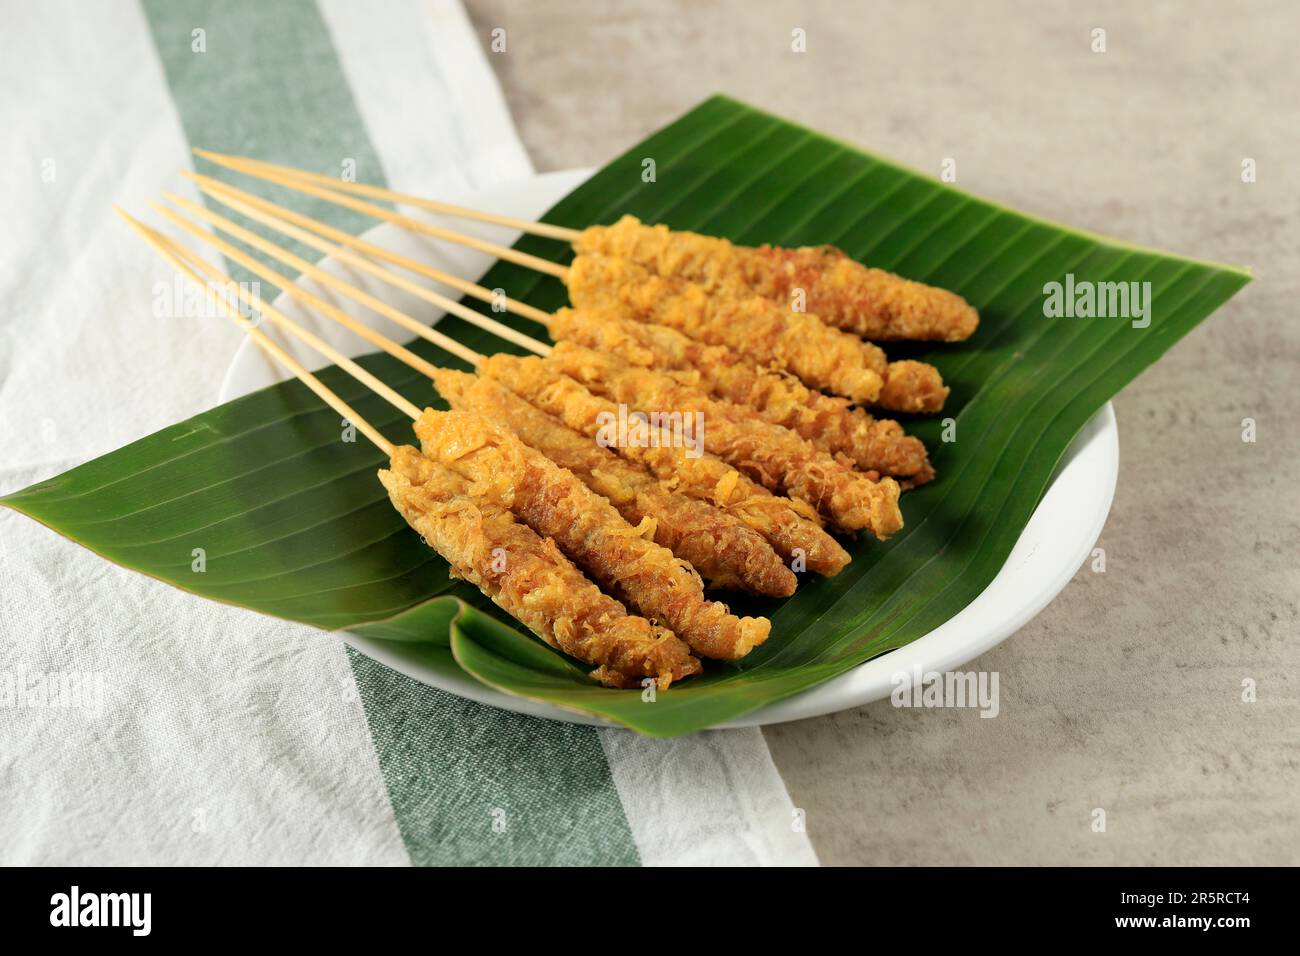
(131, 221)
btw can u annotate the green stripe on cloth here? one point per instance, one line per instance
(468, 783)
(526, 791)
(268, 84)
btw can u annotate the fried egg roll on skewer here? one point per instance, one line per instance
(768, 334)
(824, 357)
(537, 585)
(791, 527)
(774, 456)
(844, 293)
(556, 504)
(725, 551)
(829, 422)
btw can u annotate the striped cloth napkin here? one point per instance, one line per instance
(206, 734)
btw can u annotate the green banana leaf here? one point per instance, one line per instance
(292, 521)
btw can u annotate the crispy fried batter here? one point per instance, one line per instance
(848, 295)
(829, 422)
(536, 584)
(708, 260)
(802, 344)
(844, 293)
(790, 526)
(724, 550)
(914, 387)
(556, 504)
(773, 455)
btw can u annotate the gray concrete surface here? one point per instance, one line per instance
(1125, 694)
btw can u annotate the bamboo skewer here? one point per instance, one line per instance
(291, 288)
(361, 262)
(181, 258)
(544, 229)
(287, 285)
(254, 301)
(278, 217)
(527, 260)
(320, 275)
(219, 190)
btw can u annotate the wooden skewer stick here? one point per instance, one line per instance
(316, 242)
(159, 242)
(244, 163)
(175, 252)
(213, 186)
(254, 301)
(352, 292)
(288, 286)
(328, 351)
(380, 340)
(179, 257)
(524, 259)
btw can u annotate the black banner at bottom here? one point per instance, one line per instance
(215, 906)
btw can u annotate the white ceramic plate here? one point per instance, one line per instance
(1059, 537)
